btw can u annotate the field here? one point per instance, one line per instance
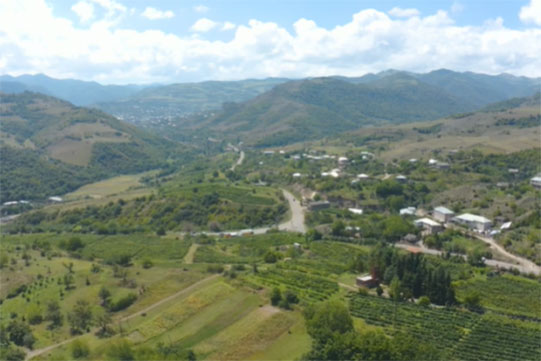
(459, 334)
(499, 293)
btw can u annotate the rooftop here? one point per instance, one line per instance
(468, 217)
(427, 221)
(443, 210)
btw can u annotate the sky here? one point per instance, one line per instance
(166, 41)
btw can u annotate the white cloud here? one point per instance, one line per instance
(84, 10)
(457, 7)
(155, 14)
(371, 41)
(531, 14)
(111, 6)
(200, 8)
(228, 26)
(203, 25)
(403, 13)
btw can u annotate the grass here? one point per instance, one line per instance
(107, 187)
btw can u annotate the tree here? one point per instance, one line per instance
(79, 349)
(326, 318)
(68, 281)
(270, 257)
(81, 316)
(54, 315)
(105, 296)
(338, 228)
(20, 333)
(472, 300)
(121, 351)
(103, 321)
(276, 296)
(74, 244)
(395, 289)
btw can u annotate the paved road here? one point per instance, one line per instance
(241, 157)
(488, 262)
(294, 224)
(41, 351)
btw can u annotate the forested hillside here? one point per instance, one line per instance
(50, 147)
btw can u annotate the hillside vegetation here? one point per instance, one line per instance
(315, 108)
(50, 147)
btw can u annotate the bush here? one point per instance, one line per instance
(270, 257)
(215, 268)
(79, 349)
(120, 350)
(147, 264)
(276, 296)
(123, 303)
(424, 301)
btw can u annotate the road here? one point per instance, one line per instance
(489, 262)
(188, 289)
(241, 156)
(294, 224)
(522, 264)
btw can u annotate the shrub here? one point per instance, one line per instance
(79, 349)
(124, 302)
(147, 264)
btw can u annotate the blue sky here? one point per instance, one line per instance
(136, 41)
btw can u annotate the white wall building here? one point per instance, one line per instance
(474, 221)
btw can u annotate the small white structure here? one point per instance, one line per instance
(432, 161)
(282, 152)
(536, 181)
(408, 211)
(268, 152)
(362, 176)
(473, 221)
(12, 203)
(401, 178)
(297, 175)
(355, 210)
(296, 157)
(297, 245)
(443, 214)
(335, 173)
(55, 199)
(342, 160)
(413, 160)
(505, 226)
(430, 226)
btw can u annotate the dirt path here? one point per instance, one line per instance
(188, 258)
(348, 287)
(188, 289)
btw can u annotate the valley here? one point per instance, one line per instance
(264, 231)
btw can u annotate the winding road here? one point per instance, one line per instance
(241, 156)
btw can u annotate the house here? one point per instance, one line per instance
(342, 160)
(443, 214)
(442, 165)
(296, 175)
(408, 211)
(401, 178)
(367, 281)
(429, 226)
(363, 176)
(413, 160)
(355, 210)
(513, 170)
(473, 221)
(335, 173)
(316, 206)
(55, 199)
(536, 181)
(268, 152)
(432, 161)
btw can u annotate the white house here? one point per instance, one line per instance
(355, 210)
(536, 181)
(342, 160)
(443, 214)
(55, 199)
(297, 175)
(408, 211)
(401, 178)
(430, 226)
(474, 221)
(363, 176)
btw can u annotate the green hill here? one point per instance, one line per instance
(49, 146)
(314, 108)
(184, 99)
